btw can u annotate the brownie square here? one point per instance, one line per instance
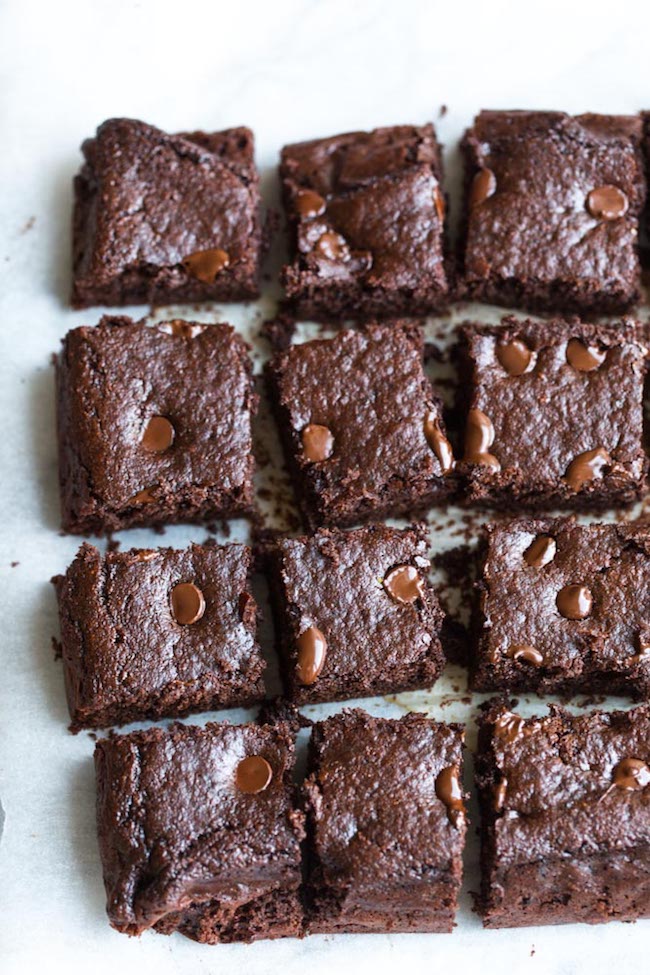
(366, 219)
(565, 810)
(552, 207)
(154, 424)
(199, 833)
(555, 414)
(153, 633)
(164, 218)
(563, 608)
(355, 613)
(362, 429)
(385, 824)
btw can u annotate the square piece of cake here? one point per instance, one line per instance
(153, 633)
(552, 208)
(565, 817)
(164, 218)
(385, 824)
(366, 217)
(154, 424)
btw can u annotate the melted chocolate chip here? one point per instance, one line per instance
(540, 552)
(404, 584)
(484, 186)
(158, 435)
(643, 655)
(574, 602)
(146, 555)
(584, 358)
(523, 651)
(438, 442)
(205, 265)
(479, 435)
(253, 775)
(188, 604)
(180, 329)
(317, 443)
(607, 203)
(509, 727)
(514, 356)
(439, 203)
(586, 467)
(312, 650)
(500, 790)
(146, 496)
(310, 204)
(332, 246)
(449, 792)
(631, 774)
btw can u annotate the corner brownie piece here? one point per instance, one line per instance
(565, 810)
(165, 218)
(355, 613)
(153, 633)
(199, 832)
(361, 426)
(385, 824)
(555, 414)
(366, 217)
(154, 424)
(552, 208)
(564, 608)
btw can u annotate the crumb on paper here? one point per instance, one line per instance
(27, 226)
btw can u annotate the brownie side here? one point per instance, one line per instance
(385, 824)
(367, 389)
(565, 817)
(129, 653)
(111, 380)
(185, 848)
(365, 212)
(136, 218)
(547, 420)
(645, 220)
(368, 594)
(535, 232)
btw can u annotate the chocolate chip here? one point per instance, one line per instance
(643, 655)
(188, 604)
(584, 358)
(523, 651)
(317, 442)
(332, 246)
(514, 356)
(631, 774)
(205, 265)
(540, 552)
(586, 467)
(449, 791)
(404, 584)
(574, 602)
(509, 727)
(253, 775)
(479, 435)
(500, 790)
(180, 329)
(310, 204)
(438, 442)
(607, 203)
(439, 203)
(158, 435)
(312, 650)
(146, 496)
(484, 186)
(146, 555)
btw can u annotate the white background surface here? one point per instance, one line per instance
(290, 69)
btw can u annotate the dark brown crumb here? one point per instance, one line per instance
(278, 709)
(113, 543)
(442, 111)
(280, 330)
(14, 564)
(57, 648)
(28, 225)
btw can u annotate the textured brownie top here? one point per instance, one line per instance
(118, 378)
(568, 604)
(565, 786)
(148, 201)
(561, 404)
(558, 199)
(178, 823)
(381, 808)
(365, 592)
(368, 207)
(131, 636)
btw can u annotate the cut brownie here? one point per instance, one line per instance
(165, 218)
(154, 424)
(564, 608)
(555, 414)
(366, 216)
(385, 824)
(565, 809)
(154, 633)
(362, 428)
(552, 210)
(355, 613)
(198, 832)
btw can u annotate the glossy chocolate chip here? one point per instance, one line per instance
(586, 467)
(509, 727)
(312, 650)
(500, 791)
(607, 203)
(514, 356)
(146, 496)
(253, 775)
(332, 246)
(574, 602)
(158, 435)
(584, 358)
(310, 204)
(438, 442)
(181, 329)
(206, 265)
(540, 552)
(484, 186)
(146, 555)
(631, 774)
(439, 203)
(479, 436)
(317, 443)
(523, 651)
(404, 584)
(188, 603)
(449, 791)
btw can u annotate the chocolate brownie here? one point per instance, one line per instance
(554, 414)
(362, 429)
(552, 207)
(564, 608)
(154, 424)
(165, 218)
(153, 633)
(355, 613)
(385, 824)
(366, 217)
(565, 810)
(645, 224)
(199, 833)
